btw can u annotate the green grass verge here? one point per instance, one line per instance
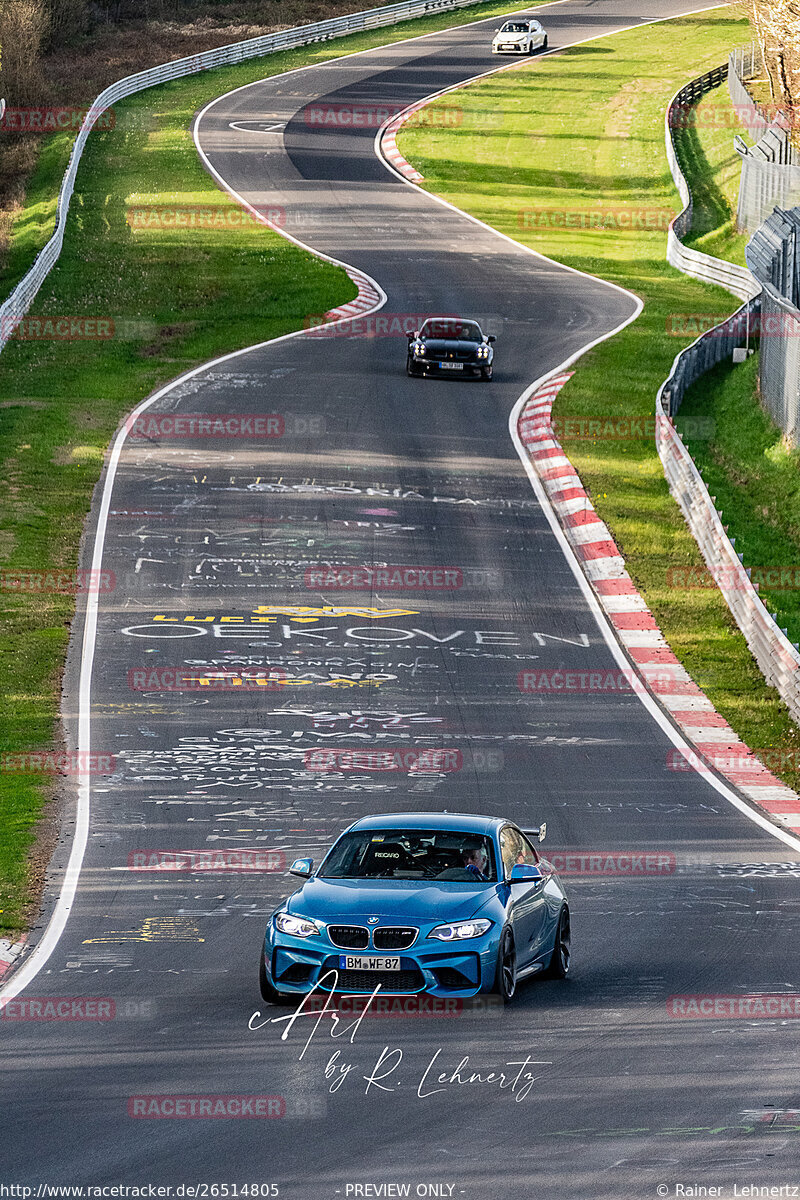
(755, 478)
(714, 170)
(176, 301)
(582, 131)
(36, 222)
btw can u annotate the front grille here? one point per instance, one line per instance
(349, 937)
(390, 981)
(393, 937)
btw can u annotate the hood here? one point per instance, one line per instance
(393, 900)
(450, 345)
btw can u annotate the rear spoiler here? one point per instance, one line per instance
(539, 833)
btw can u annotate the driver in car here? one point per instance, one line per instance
(475, 862)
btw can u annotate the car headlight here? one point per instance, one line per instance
(419, 349)
(483, 352)
(296, 926)
(460, 930)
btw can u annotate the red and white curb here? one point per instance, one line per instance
(10, 952)
(367, 299)
(389, 144)
(714, 743)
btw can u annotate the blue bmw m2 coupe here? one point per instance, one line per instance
(442, 903)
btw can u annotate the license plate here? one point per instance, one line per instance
(451, 366)
(358, 962)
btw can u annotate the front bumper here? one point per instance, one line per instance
(507, 48)
(434, 968)
(433, 367)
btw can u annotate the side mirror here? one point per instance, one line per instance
(303, 868)
(520, 873)
(491, 338)
(411, 336)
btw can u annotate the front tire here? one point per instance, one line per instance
(505, 982)
(410, 369)
(269, 994)
(486, 374)
(544, 43)
(560, 961)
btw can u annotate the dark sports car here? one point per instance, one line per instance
(443, 903)
(450, 346)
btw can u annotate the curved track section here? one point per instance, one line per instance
(217, 544)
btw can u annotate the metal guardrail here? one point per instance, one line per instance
(704, 267)
(777, 657)
(14, 308)
(712, 347)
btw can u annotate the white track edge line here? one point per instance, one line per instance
(39, 956)
(604, 625)
(418, 37)
(44, 948)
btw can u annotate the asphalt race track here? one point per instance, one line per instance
(208, 539)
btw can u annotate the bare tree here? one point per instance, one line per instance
(776, 27)
(23, 26)
(67, 19)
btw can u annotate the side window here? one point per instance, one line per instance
(530, 855)
(506, 850)
(516, 849)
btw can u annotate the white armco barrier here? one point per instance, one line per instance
(705, 267)
(776, 656)
(20, 300)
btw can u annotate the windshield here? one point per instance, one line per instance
(452, 327)
(514, 27)
(424, 854)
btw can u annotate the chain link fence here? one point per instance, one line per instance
(770, 168)
(772, 255)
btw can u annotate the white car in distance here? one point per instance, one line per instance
(519, 37)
